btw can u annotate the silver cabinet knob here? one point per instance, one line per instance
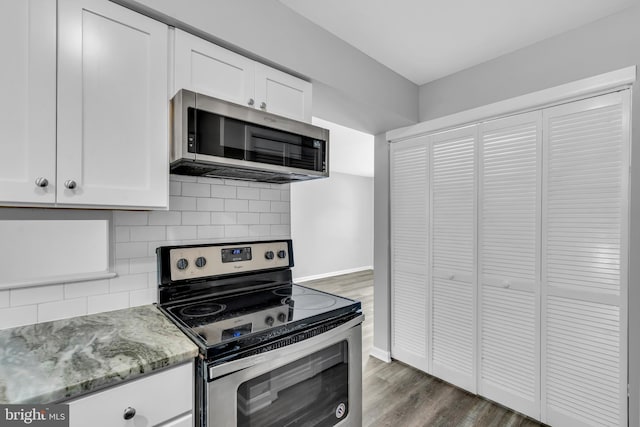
(251, 101)
(42, 182)
(129, 413)
(70, 184)
(263, 105)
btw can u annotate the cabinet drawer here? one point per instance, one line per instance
(156, 398)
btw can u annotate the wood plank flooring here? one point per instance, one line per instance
(394, 394)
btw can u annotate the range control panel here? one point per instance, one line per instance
(204, 261)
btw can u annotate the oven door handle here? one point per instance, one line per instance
(290, 352)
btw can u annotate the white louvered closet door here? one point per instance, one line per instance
(453, 256)
(508, 252)
(409, 244)
(584, 262)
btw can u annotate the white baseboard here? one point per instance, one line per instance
(331, 274)
(385, 356)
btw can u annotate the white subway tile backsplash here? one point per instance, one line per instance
(62, 309)
(130, 218)
(259, 206)
(259, 230)
(148, 233)
(128, 283)
(181, 232)
(123, 234)
(131, 250)
(180, 203)
(18, 316)
(4, 299)
(269, 218)
(209, 204)
(143, 297)
(281, 207)
(175, 188)
(108, 302)
(248, 193)
(202, 210)
(233, 205)
(223, 191)
(269, 194)
(248, 218)
(165, 218)
(235, 231)
(193, 189)
(196, 218)
(224, 218)
(35, 295)
(84, 289)
(210, 231)
(142, 265)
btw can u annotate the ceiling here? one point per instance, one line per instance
(424, 40)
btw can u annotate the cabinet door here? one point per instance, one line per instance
(509, 261)
(281, 93)
(453, 256)
(112, 106)
(409, 255)
(28, 110)
(584, 262)
(203, 67)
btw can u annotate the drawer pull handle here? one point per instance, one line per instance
(129, 413)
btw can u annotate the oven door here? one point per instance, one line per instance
(315, 382)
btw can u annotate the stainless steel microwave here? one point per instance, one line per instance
(215, 138)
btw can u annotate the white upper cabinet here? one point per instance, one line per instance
(281, 93)
(207, 68)
(409, 252)
(204, 67)
(28, 113)
(453, 256)
(509, 244)
(112, 106)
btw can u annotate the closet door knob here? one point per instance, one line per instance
(251, 101)
(263, 105)
(42, 182)
(70, 184)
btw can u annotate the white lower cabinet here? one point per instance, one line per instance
(161, 399)
(509, 259)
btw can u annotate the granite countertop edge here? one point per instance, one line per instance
(65, 359)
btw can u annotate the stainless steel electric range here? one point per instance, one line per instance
(272, 353)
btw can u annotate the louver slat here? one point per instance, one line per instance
(583, 260)
(453, 195)
(508, 261)
(409, 239)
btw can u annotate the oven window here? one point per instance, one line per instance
(312, 391)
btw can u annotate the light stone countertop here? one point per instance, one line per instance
(55, 361)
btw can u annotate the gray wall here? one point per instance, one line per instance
(606, 45)
(332, 225)
(349, 87)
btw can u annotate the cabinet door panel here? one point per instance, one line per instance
(209, 69)
(453, 256)
(584, 262)
(282, 93)
(28, 112)
(409, 252)
(509, 265)
(112, 106)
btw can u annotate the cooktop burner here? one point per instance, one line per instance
(203, 309)
(314, 301)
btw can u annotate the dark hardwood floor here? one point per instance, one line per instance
(398, 395)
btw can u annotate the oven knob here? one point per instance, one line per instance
(268, 255)
(282, 317)
(201, 262)
(269, 320)
(182, 264)
(282, 254)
